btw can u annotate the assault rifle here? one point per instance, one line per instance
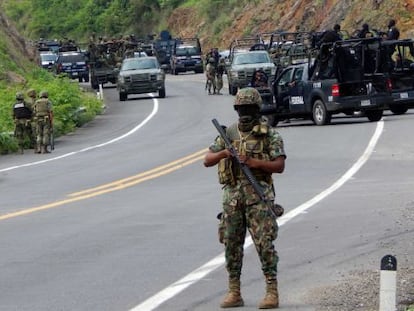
(52, 133)
(52, 140)
(275, 209)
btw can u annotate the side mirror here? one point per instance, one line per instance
(164, 67)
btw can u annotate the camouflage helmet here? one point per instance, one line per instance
(31, 93)
(248, 96)
(44, 94)
(19, 96)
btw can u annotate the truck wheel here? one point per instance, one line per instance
(374, 115)
(319, 113)
(123, 96)
(161, 93)
(398, 109)
(86, 78)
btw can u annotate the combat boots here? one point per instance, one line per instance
(271, 299)
(43, 149)
(233, 297)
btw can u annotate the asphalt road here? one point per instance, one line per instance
(121, 216)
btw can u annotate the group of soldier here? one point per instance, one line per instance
(33, 119)
(113, 51)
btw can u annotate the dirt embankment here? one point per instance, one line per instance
(290, 15)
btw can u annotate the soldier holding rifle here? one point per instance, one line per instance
(43, 118)
(247, 154)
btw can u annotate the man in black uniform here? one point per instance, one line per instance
(22, 115)
(393, 32)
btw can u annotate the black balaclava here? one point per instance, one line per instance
(249, 116)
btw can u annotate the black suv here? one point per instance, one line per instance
(74, 64)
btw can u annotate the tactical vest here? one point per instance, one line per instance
(253, 144)
(41, 107)
(21, 111)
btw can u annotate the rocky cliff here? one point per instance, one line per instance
(290, 15)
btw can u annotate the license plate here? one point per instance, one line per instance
(403, 95)
(366, 102)
(75, 73)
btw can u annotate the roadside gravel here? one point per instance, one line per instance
(358, 290)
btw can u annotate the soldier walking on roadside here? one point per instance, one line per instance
(43, 118)
(22, 115)
(260, 147)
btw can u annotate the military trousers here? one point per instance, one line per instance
(43, 129)
(243, 210)
(22, 130)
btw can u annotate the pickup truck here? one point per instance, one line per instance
(247, 55)
(332, 83)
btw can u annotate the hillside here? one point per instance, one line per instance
(307, 15)
(15, 55)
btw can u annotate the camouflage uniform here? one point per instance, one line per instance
(221, 67)
(211, 76)
(43, 117)
(242, 207)
(22, 115)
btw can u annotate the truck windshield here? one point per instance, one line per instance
(251, 58)
(186, 51)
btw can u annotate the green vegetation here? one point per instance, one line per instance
(78, 19)
(72, 107)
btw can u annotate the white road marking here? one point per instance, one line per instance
(196, 275)
(136, 128)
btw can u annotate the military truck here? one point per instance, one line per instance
(186, 56)
(103, 58)
(340, 79)
(247, 55)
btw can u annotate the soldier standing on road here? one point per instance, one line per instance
(43, 117)
(260, 147)
(221, 67)
(22, 115)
